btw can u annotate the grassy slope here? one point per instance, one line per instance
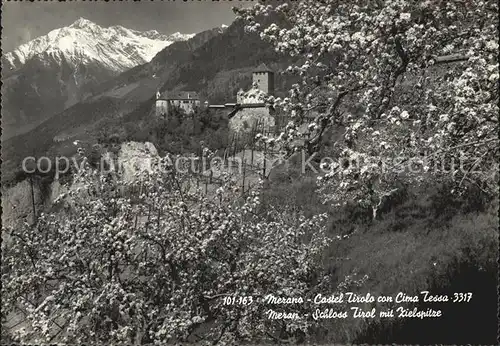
(443, 259)
(436, 243)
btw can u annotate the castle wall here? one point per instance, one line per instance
(187, 105)
(161, 107)
(254, 95)
(246, 118)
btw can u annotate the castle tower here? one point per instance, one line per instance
(263, 77)
(161, 105)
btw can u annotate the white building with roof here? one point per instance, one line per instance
(187, 101)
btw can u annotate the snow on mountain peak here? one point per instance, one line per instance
(181, 37)
(84, 41)
(82, 23)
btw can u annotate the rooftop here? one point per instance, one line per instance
(263, 68)
(180, 95)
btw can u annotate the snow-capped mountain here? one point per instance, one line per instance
(116, 48)
(57, 70)
(215, 62)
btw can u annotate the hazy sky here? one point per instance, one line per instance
(24, 21)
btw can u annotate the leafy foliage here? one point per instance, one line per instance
(178, 133)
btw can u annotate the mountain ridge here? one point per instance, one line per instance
(107, 101)
(86, 40)
(216, 63)
(57, 70)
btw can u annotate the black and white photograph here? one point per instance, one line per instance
(280, 172)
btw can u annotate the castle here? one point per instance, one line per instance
(249, 108)
(262, 83)
(188, 101)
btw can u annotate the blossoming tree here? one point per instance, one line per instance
(159, 265)
(413, 86)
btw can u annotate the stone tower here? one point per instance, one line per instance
(263, 77)
(161, 104)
